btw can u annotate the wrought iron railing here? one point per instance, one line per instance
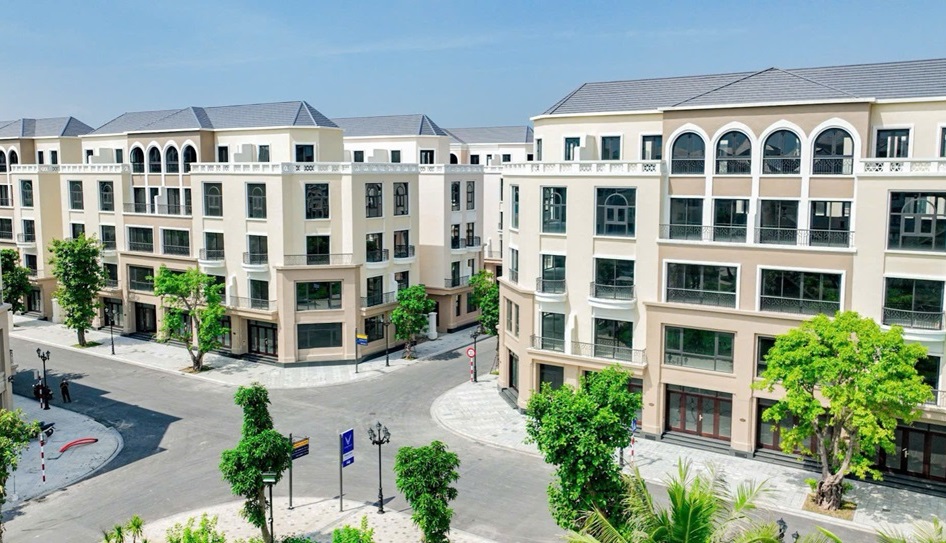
(112, 284)
(322, 304)
(682, 231)
(550, 286)
(26, 237)
(473, 241)
(378, 298)
(921, 320)
(212, 255)
(553, 226)
(137, 284)
(252, 303)
(798, 305)
(699, 361)
(695, 232)
(177, 250)
(172, 167)
(6, 202)
(154, 167)
(403, 251)
(376, 255)
(612, 291)
(6, 234)
(806, 238)
(781, 166)
(459, 281)
(837, 165)
(137, 167)
(548, 343)
(687, 166)
(324, 259)
(733, 166)
(457, 243)
(108, 244)
(609, 349)
(701, 297)
(255, 259)
(137, 207)
(141, 246)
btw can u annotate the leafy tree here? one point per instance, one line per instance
(204, 532)
(410, 315)
(261, 449)
(848, 384)
(578, 430)
(80, 276)
(135, 528)
(424, 476)
(192, 295)
(486, 296)
(15, 435)
(16, 279)
(350, 534)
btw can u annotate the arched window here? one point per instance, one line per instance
(453, 159)
(154, 160)
(733, 154)
(3, 161)
(782, 154)
(834, 153)
(137, 160)
(172, 160)
(689, 154)
(190, 157)
(14, 159)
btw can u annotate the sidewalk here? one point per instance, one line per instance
(477, 412)
(226, 370)
(62, 469)
(312, 517)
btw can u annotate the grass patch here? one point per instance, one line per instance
(846, 512)
(87, 344)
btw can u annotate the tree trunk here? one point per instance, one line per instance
(828, 494)
(197, 361)
(81, 333)
(408, 350)
(261, 501)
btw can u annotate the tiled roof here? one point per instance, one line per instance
(217, 118)
(43, 128)
(494, 134)
(390, 125)
(910, 79)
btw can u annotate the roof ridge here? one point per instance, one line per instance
(556, 105)
(307, 107)
(887, 63)
(733, 82)
(816, 82)
(174, 112)
(193, 112)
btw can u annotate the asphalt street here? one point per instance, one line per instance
(175, 428)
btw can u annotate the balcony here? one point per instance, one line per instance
(34, 168)
(901, 166)
(474, 244)
(32, 272)
(26, 240)
(376, 258)
(687, 166)
(701, 297)
(550, 290)
(141, 246)
(603, 168)
(832, 165)
(137, 207)
(548, 344)
(319, 305)
(141, 286)
(324, 259)
(95, 168)
(455, 282)
(379, 298)
(137, 167)
(804, 238)
(255, 262)
(610, 350)
(211, 255)
(112, 284)
(177, 250)
(781, 166)
(256, 304)
(403, 252)
(458, 244)
(109, 245)
(920, 320)
(695, 232)
(611, 295)
(798, 306)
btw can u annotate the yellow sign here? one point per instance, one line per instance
(301, 443)
(361, 336)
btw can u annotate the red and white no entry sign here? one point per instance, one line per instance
(471, 352)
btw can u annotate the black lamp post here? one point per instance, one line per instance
(387, 355)
(476, 333)
(269, 479)
(379, 435)
(782, 528)
(110, 321)
(44, 357)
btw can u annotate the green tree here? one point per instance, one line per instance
(80, 276)
(578, 430)
(260, 449)
(848, 383)
(485, 296)
(424, 476)
(15, 435)
(135, 528)
(192, 302)
(410, 315)
(16, 279)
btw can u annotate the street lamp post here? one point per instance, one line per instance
(110, 313)
(269, 479)
(44, 395)
(476, 333)
(379, 435)
(387, 354)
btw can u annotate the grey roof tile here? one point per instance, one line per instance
(390, 125)
(771, 85)
(492, 134)
(43, 128)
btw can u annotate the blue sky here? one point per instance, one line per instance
(463, 63)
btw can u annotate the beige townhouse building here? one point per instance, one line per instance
(449, 243)
(491, 147)
(676, 226)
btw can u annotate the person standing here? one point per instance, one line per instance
(64, 390)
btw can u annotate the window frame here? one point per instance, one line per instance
(554, 212)
(610, 138)
(255, 210)
(846, 161)
(652, 138)
(428, 156)
(26, 188)
(106, 203)
(768, 159)
(402, 203)
(209, 208)
(470, 195)
(741, 163)
(569, 145)
(761, 287)
(603, 210)
(455, 196)
(686, 165)
(309, 299)
(891, 129)
(934, 222)
(705, 271)
(76, 197)
(305, 148)
(307, 331)
(684, 355)
(514, 207)
(374, 201)
(319, 207)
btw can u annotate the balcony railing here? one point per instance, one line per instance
(137, 167)
(805, 238)
(376, 255)
(473, 241)
(457, 243)
(379, 298)
(26, 237)
(694, 232)
(701, 297)
(325, 259)
(6, 202)
(112, 284)
(602, 167)
(141, 246)
(6, 234)
(938, 399)
(108, 244)
(781, 166)
(32, 272)
(172, 209)
(255, 259)
(612, 291)
(493, 255)
(252, 303)
(513, 275)
(145, 286)
(936, 166)
(177, 250)
(319, 305)
(453, 282)
(687, 166)
(921, 320)
(682, 231)
(548, 343)
(836, 165)
(554, 226)
(798, 306)
(733, 166)
(611, 350)
(403, 251)
(550, 286)
(211, 255)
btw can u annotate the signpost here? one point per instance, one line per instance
(360, 339)
(299, 449)
(471, 352)
(346, 456)
(633, 431)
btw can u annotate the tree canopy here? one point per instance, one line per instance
(16, 280)
(485, 296)
(192, 303)
(80, 276)
(425, 476)
(410, 315)
(15, 435)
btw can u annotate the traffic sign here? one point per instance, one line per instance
(361, 339)
(634, 426)
(300, 448)
(347, 443)
(471, 352)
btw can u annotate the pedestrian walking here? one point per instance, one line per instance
(64, 390)
(38, 390)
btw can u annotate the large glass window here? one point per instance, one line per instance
(701, 284)
(29, 231)
(154, 160)
(733, 154)
(553, 332)
(616, 212)
(6, 228)
(652, 147)
(513, 266)
(213, 246)
(917, 221)
(75, 195)
(78, 230)
(611, 148)
(401, 204)
(140, 239)
(259, 294)
(893, 143)
(614, 339)
(374, 247)
(455, 196)
(106, 196)
(263, 153)
(190, 157)
(805, 293)
(213, 199)
(470, 194)
(553, 274)
(256, 200)
(571, 145)
(834, 153)
(729, 220)
(700, 349)
(316, 201)
(258, 250)
(140, 278)
(176, 242)
(427, 156)
(782, 154)
(318, 295)
(172, 161)
(553, 375)
(513, 370)
(319, 335)
(614, 279)
(686, 219)
(515, 206)
(554, 200)
(305, 153)
(763, 344)
(778, 222)
(373, 200)
(689, 154)
(830, 224)
(914, 303)
(26, 192)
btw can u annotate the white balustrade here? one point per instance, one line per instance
(602, 168)
(902, 166)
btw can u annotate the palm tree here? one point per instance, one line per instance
(932, 531)
(118, 533)
(135, 527)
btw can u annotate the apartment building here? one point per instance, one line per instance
(676, 226)
(31, 153)
(491, 147)
(450, 201)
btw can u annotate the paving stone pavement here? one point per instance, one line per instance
(476, 411)
(232, 371)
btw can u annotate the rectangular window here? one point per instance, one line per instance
(917, 221)
(29, 231)
(515, 206)
(763, 344)
(402, 244)
(305, 153)
(914, 303)
(830, 224)
(699, 349)
(611, 148)
(553, 375)
(107, 233)
(893, 143)
(263, 155)
(507, 158)
(259, 294)
(553, 332)
(455, 196)
(554, 200)
(686, 219)
(701, 284)
(538, 149)
(529, 157)
(316, 201)
(78, 230)
(614, 279)
(374, 291)
(395, 156)
(374, 328)
(141, 239)
(474, 159)
(258, 250)
(106, 196)
(54, 157)
(457, 305)
(513, 266)
(318, 295)
(471, 234)
(508, 315)
(616, 213)
(140, 278)
(223, 153)
(319, 335)
(213, 246)
(427, 156)
(454, 274)
(256, 200)
(455, 242)
(778, 222)
(614, 340)
(213, 199)
(6, 228)
(571, 146)
(374, 248)
(31, 262)
(553, 274)
(652, 147)
(176, 242)
(358, 156)
(401, 202)
(119, 156)
(805, 293)
(111, 270)
(26, 192)
(403, 279)
(75, 195)
(470, 194)
(729, 220)
(39, 158)
(513, 370)
(5, 200)
(373, 200)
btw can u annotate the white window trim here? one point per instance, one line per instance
(620, 138)
(665, 272)
(875, 131)
(758, 284)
